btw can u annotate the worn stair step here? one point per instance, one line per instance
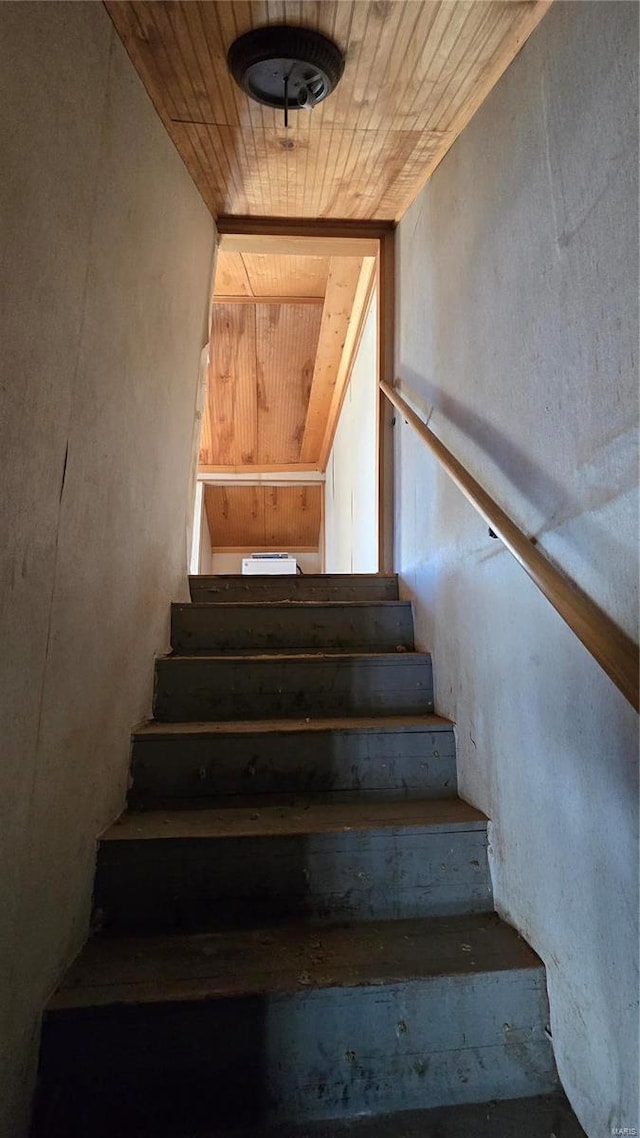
(307, 586)
(203, 869)
(272, 1026)
(540, 1116)
(296, 685)
(356, 626)
(371, 757)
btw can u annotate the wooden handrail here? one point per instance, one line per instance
(615, 652)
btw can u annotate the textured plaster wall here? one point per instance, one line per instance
(106, 252)
(351, 489)
(517, 331)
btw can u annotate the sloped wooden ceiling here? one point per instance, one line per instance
(262, 361)
(284, 332)
(415, 74)
(271, 276)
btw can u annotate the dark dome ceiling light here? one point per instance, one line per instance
(284, 67)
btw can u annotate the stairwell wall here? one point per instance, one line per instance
(517, 332)
(351, 487)
(106, 258)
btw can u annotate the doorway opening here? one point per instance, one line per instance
(291, 438)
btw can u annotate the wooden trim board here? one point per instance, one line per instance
(298, 246)
(343, 228)
(267, 299)
(386, 368)
(249, 549)
(257, 468)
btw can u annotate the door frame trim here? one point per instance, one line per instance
(383, 233)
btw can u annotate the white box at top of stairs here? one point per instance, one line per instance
(269, 565)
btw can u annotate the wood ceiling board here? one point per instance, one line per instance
(235, 515)
(399, 47)
(263, 275)
(360, 310)
(231, 276)
(411, 68)
(260, 377)
(363, 167)
(286, 345)
(256, 468)
(296, 244)
(337, 312)
(232, 392)
(273, 273)
(259, 517)
(470, 95)
(292, 516)
(313, 300)
(287, 477)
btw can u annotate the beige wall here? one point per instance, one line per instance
(106, 250)
(517, 330)
(351, 488)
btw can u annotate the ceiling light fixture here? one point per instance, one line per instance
(288, 68)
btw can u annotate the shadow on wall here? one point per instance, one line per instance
(546, 495)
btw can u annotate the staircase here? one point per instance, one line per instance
(295, 913)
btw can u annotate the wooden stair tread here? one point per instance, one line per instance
(333, 658)
(158, 730)
(348, 578)
(294, 900)
(289, 957)
(317, 818)
(291, 603)
(540, 1116)
(266, 586)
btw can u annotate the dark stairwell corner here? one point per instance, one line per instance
(294, 926)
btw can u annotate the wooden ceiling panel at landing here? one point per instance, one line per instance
(262, 275)
(415, 74)
(263, 517)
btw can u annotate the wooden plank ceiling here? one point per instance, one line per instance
(415, 74)
(263, 517)
(284, 332)
(286, 319)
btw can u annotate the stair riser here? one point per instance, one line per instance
(200, 689)
(200, 884)
(391, 763)
(218, 628)
(338, 587)
(308, 1055)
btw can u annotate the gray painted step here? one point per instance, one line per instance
(543, 1116)
(308, 586)
(197, 870)
(359, 626)
(300, 1024)
(285, 686)
(174, 764)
